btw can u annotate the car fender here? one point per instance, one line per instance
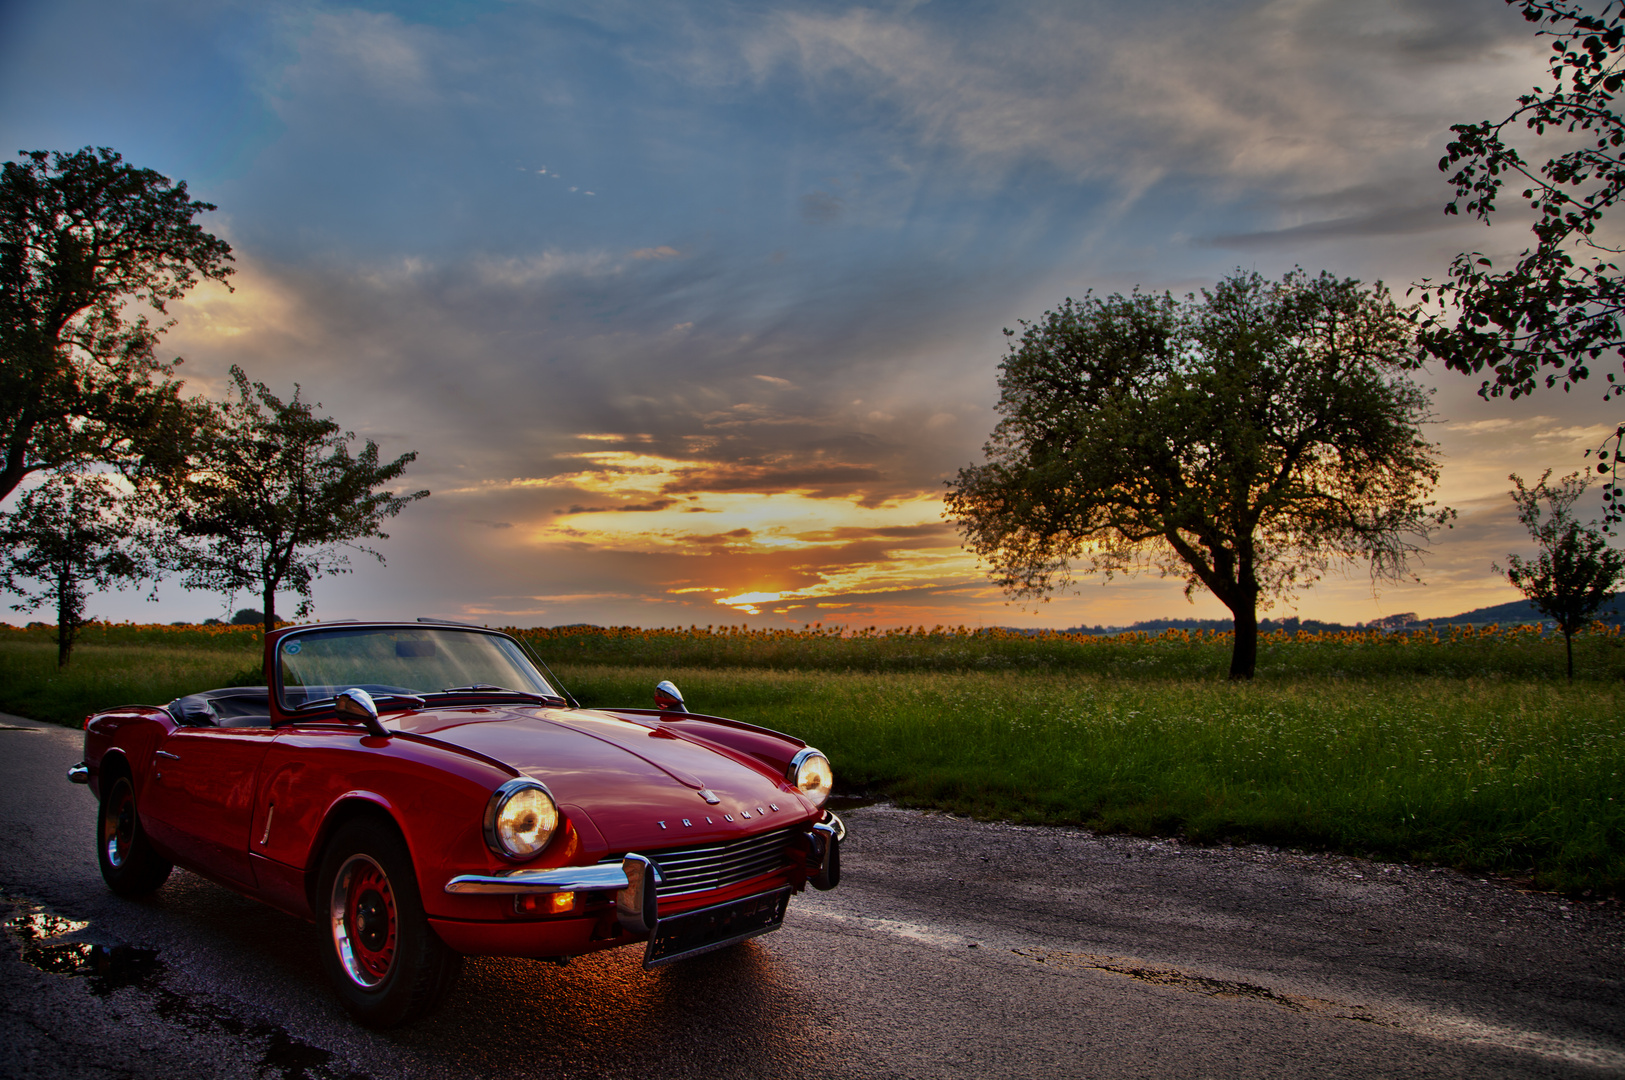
(131, 734)
(311, 783)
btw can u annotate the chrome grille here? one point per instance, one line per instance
(713, 866)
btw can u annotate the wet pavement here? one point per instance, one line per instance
(951, 949)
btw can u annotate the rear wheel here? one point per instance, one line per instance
(386, 964)
(129, 865)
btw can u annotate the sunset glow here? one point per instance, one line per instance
(689, 317)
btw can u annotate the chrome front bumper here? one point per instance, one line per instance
(79, 774)
(562, 879)
(603, 876)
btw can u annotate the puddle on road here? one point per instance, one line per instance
(111, 967)
(106, 967)
(42, 924)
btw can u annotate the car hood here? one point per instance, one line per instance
(641, 787)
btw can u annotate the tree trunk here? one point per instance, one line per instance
(1568, 645)
(66, 617)
(1244, 657)
(269, 611)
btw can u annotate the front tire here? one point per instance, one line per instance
(129, 865)
(385, 963)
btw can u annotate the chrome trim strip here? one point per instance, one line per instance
(560, 879)
(840, 826)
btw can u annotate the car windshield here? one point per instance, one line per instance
(316, 665)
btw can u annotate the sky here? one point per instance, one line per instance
(690, 309)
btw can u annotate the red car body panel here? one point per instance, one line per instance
(251, 807)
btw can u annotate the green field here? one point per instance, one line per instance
(1470, 751)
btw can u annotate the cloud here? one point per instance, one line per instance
(1292, 97)
(373, 52)
(654, 506)
(518, 272)
(1395, 221)
(935, 530)
(821, 208)
(766, 479)
(661, 252)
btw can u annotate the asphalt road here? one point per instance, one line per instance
(951, 949)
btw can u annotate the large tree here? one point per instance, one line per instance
(71, 536)
(275, 498)
(82, 236)
(1576, 572)
(1245, 440)
(1559, 308)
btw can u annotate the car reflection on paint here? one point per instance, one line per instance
(425, 792)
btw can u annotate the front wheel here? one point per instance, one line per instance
(129, 865)
(386, 964)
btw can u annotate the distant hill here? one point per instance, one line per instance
(1523, 611)
(1157, 626)
(1516, 611)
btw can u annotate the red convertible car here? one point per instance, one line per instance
(423, 792)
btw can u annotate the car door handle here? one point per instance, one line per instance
(167, 754)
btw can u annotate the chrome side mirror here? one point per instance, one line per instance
(356, 704)
(668, 698)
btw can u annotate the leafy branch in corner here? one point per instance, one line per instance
(1557, 311)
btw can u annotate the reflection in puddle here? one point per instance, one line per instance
(108, 968)
(42, 924)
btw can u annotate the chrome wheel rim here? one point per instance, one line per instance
(365, 923)
(118, 824)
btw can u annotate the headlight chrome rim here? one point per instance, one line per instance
(799, 767)
(496, 834)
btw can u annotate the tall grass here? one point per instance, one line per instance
(104, 676)
(1460, 651)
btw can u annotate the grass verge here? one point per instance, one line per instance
(1517, 778)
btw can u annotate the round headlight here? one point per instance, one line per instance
(520, 819)
(810, 772)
